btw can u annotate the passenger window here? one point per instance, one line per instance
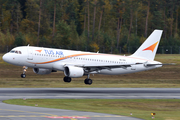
(20, 52)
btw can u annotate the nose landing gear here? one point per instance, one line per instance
(23, 75)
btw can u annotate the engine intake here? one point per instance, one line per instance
(73, 72)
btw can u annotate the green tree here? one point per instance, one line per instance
(74, 37)
(63, 33)
(30, 23)
(19, 40)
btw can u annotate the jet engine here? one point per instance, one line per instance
(71, 71)
(42, 71)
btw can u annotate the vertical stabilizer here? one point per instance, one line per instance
(148, 49)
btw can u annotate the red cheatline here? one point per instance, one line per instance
(68, 117)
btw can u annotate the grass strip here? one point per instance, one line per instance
(165, 109)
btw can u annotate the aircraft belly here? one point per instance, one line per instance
(33, 65)
(46, 66)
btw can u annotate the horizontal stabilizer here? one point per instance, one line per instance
(148, 65)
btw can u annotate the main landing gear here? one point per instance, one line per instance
(67, 79)
(87, 81)
(23, 75)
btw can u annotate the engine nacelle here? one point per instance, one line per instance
(42, 71)
(73, 72)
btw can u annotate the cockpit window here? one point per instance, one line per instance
(16, 51)
(12, 51)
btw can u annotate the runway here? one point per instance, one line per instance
(90, 93)
(13, 112)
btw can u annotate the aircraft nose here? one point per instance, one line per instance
(5, 58)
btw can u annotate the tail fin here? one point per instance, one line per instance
(148, 49)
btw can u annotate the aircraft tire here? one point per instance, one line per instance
(67, 79)
(88, 81)
(23, 75)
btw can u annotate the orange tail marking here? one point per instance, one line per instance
(152, 47)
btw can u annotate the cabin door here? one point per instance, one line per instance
(30, 54)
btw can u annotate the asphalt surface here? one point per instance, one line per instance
(15, 112)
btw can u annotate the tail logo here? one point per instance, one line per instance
(152, 47)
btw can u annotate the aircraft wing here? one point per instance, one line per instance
(102, 66)
(106, 66)
(91, 68)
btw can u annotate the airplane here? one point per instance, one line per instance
(78, 63)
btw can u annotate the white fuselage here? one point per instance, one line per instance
(57, 59)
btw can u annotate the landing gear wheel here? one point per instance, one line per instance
(88, 81)
(23, 75)
(67, 79)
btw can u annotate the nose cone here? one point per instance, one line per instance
(5, 58)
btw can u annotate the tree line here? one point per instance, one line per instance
(90, 25)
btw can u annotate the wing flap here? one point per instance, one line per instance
(107, 66)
